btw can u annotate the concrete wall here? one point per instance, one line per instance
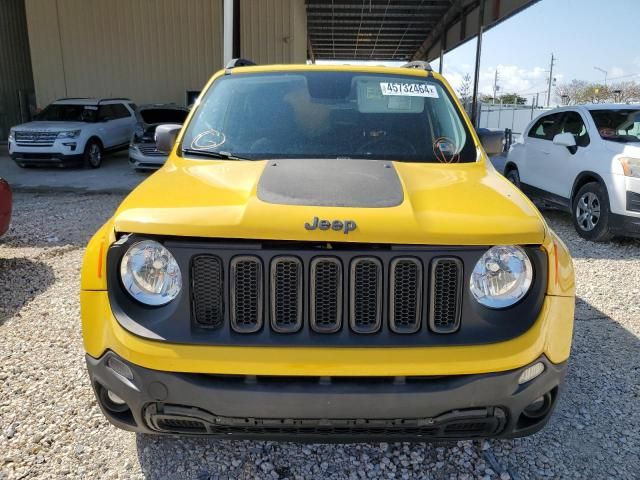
(16, 80)
(273, 31)
(150, 50)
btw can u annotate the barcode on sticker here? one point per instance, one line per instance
(408, 89)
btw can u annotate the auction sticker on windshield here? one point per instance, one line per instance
(408, 89)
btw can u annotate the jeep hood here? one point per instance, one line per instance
(390, 202)
(46, 126)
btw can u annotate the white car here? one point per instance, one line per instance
(74, 131)
(585, 159)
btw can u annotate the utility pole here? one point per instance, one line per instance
(495, 86)
(550, 80)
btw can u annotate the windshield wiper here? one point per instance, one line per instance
(213, 154)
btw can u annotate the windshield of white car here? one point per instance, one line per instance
(330, 114)
(68, 113)
(621, 125)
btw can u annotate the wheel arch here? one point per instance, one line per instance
(96, 138)
(587, 177)
(510, 165)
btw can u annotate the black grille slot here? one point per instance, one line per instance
(207, 288)
(446, 295)
(405, 285)
(246, 294)
(286, 294)
(366, 295)
(326, 294)
(181, 425)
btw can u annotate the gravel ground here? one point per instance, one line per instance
(51, 426)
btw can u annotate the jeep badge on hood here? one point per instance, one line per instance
(346, 226)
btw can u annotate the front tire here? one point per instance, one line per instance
(93, 153)
(590, 212)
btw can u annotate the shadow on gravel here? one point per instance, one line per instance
(21, 280)
(594, 433)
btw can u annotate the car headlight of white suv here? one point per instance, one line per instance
(630, 166)
(12, 134)
(68, 134)
(502, 276)
(150, 273)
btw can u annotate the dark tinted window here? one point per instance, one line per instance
(106, 112)
(574, 125)
(120, 111)
(546, 127)
(621, 125)
(330, 114)
(68, 113)
(153, 116)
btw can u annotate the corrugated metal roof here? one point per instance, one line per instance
(371, 29)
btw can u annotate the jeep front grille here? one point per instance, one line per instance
(366, 295)
(446, 293)
(326, 295)
(365, 288)
(246, 294)
(286, 294)
(207, 290)
(405, 300)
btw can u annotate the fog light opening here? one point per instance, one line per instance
(531, 372)
(115, 398)
(539, 407)
(111, 401)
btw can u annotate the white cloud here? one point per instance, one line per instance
(511, 78)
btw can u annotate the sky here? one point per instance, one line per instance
(581, 34)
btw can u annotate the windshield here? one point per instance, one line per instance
(618, 125)
(330, 115)
(68, 113)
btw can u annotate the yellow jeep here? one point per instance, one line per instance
(327, 255)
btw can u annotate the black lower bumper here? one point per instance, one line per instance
(624, 225)
(47, 159)
(321, 409)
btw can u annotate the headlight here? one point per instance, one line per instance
(501, 277)
(630, 166)
(138, 131)
(12, 133)
(69, 134)
(150, 273)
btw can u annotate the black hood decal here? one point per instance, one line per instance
(331, 183)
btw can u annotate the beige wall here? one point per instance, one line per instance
(147, 50)
(273, 31)
(150, 50)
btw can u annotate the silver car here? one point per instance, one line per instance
(143, 154)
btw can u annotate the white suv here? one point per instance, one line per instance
(585, 159)
(72, 131)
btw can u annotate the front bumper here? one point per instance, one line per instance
(139, 160)
(60, 153)
(325, 408)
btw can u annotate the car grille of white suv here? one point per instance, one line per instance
(36, 139)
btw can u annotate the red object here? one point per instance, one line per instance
(5, 206)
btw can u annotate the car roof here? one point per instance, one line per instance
(89, 101)
(611, 106)
(410, 72)
(163, 106)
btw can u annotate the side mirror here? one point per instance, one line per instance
(492, 141)
(166, 137)
(565, 140)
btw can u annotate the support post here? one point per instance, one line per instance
(227, 31)
(476, 80)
